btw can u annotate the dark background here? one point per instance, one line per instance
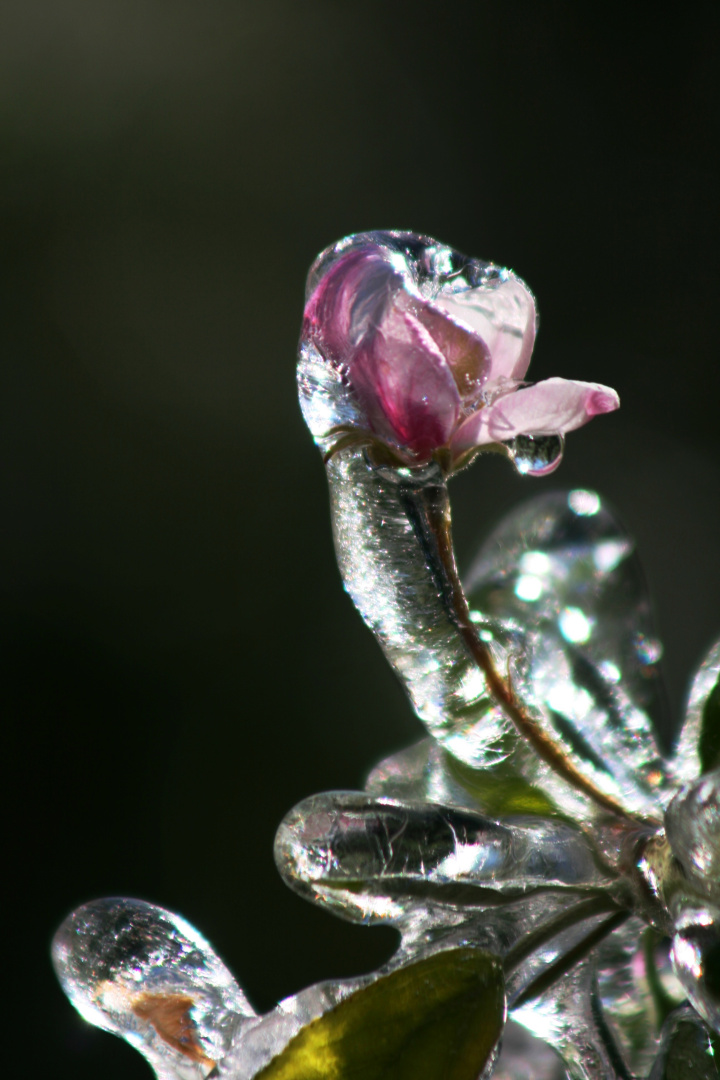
(179, 662)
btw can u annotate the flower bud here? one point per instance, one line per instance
(425, 351)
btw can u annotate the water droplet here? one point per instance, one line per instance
(536, 455)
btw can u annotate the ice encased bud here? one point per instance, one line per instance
(405, 338)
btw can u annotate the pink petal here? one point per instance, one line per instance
(503, 316)
(349, 302)
(404, 385)
(551, 407)
(467, 354)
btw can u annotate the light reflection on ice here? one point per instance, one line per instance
(609, 554)
(528, 587)
(575, 625)
(584, 503)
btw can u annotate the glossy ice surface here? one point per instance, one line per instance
(460, 857)
(538, 856)
(412, 344)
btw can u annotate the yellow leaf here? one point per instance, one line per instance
(437, 1019)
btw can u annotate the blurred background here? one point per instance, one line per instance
(179, 662)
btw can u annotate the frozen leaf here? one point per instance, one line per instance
(379, 859)
(689, 1051)
(637, 989)
(147, 975)
(568, 1016)
(438, 1019)
(696, 956)
(524, 1057)
(698, 748)
(426, 771)
(562, 569)
(693, 828)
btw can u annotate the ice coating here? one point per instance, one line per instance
(555, 592)
(147, 975)
(411, 344)
(696, 956)
(536, 853)
(445, 850)
(687, 1049)
(692, 822)
(386, 572)
(378, 859)
(687, 759)
(566, 1019)
(563, 568)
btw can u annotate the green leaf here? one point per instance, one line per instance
(437, 1019)
(709, 747)
(501, 790)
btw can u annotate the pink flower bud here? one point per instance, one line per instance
(425, 351)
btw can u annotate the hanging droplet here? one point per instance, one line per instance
(147, 975)
(536, 455)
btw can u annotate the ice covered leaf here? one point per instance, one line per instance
(143, 973)
(637, 989)
(378, 859)
(688, 1051)
(503, 789)
(418, 774)
(394, 551)
(692, 822)
(696, 956)
(698, 747)
(563, 569)
(710, 734)
(438, 1019)
(426, 771)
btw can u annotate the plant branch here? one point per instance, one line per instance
(596, 905)
(428, 509)
(568, 961)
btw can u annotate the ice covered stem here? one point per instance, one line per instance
(413, 359)
(392, 530)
